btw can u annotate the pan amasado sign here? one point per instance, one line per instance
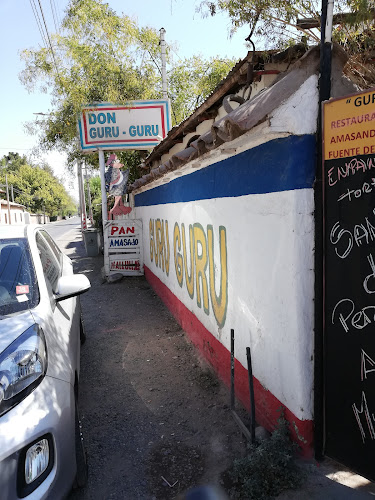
(123, 250)
(135, 125)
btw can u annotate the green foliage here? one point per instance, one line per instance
(274, 21)
(268, 469)
(103, 57)
(12, 162)
(99, 57)
(96, 201)
(191, 82)
(35, 187)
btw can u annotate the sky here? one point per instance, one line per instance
(185, 28)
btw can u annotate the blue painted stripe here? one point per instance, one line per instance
(278, 165)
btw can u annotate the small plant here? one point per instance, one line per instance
(267, 470)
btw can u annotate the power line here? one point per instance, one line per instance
(54, 15)
(49, 42)
(59, 22)
(15, 147)
(45, 34)
(38, 22)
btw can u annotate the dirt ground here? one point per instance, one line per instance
(155, 418)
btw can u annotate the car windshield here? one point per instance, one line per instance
(18, 285)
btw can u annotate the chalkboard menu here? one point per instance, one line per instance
(349, 280)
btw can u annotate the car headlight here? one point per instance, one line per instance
(23, 365)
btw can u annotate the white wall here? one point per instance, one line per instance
(269, 244)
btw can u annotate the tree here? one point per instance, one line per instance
(275, 24)
(96, 200)
(276, 20)
(35, 187)
(12, 161)
(191, 82)
(100, 56)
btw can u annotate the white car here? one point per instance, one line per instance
(41, 449)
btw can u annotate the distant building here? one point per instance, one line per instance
(13, 214)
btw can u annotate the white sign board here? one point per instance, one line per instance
(123, 249)
(136, 125)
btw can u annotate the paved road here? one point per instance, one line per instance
(59, 229)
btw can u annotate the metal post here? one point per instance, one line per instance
(326, 51)
(12, 193)
(232, 369)
(163, 64)
(252, 399)
(324, 94)
(7, 190)
(81, 196)
(102, 183)
(89, 196)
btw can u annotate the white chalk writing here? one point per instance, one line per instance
(335, 174)
(365, 361)
(351, 194)
(344, 238)
(372, 275)
(369, 418)
(343, 312)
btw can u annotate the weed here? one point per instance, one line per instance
(267, 470)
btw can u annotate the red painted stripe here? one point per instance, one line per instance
(267, 406)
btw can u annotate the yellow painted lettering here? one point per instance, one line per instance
(177, 254)
(151, 231)
(166, 248)
(156, 246)
(189, 279)
(219, 303)
(160, 238)
(200, 257)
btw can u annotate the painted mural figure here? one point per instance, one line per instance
(115, 180)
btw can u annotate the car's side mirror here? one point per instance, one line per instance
(71, 286)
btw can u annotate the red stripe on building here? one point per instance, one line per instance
(267, 406)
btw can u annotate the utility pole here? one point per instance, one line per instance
(7, 189)
(81, 197)
(102, 183)
(89, 196)
(324, 95)
(163, 64)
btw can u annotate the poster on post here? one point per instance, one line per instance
(349, 280)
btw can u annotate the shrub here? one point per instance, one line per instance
(268, 469)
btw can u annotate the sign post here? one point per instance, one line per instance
(102, 185)
(109, 127)
(349, 280)
(82, 197)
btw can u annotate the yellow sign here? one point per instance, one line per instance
(349, 126)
